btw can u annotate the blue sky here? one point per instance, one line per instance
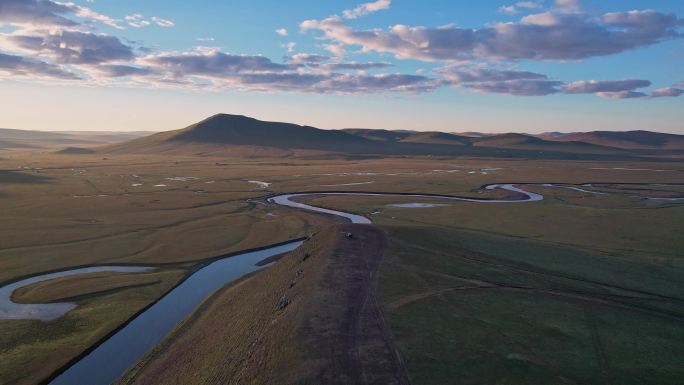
(524, 66)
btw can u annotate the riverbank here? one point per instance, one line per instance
(311, 318)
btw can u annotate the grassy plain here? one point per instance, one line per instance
(63, 211)
(576, 289)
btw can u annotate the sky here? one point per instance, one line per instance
(488, 66)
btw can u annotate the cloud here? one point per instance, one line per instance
(515, 9)
(88, 13)
(281, 31)
(319, 62)
(604, 86)
(34, 12)
(529, 4)
(336, 49)
(20, 66)
(307, 73)
(42, 13)
(119, 70)
(308, 58)
(366, 8)
(351, 66)
(622, 94)
(73, 47)
(508, 9)
(212, 64)
(330, 83)
(571, 6)
(205, 39)
(666, 92)
(542, 36)
(506, 82)
(138, 21)
(162, 22)
(290, 46)
(524, 83)
(523, 87)
(460, 75)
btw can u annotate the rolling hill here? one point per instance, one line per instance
(435, 137)
(639, 139)
(12, 139)
(529, 142)
(241, 136)
(224, 134)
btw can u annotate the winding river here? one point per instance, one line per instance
(110, 359)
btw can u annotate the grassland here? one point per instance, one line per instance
(577, 289)
(31, 350)
(316, 322)
(63, 211)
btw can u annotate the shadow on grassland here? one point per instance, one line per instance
(18, 177)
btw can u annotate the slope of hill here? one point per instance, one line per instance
(76, 151)
(376, 134)
(529, 142)
(240, 136)
(12, 139)
(623, 139)
(436, 137)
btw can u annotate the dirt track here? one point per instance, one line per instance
(312, 318)
(348, 334)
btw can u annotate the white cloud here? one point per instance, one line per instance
(576, 36)
(70, 47)
(523, 87)
(666, 92)
(336, 49)
(35, 12)
(289, 46)
(622, 94)
(302, 58)
(517, 8)
(508, 9)
(469, 75)
(88, 13)
(571, 6)
(162, 22)
(281, 31)
(13, 65)
(139, 21)
(597, 86)
(366, 8)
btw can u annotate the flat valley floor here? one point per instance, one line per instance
(584, 287)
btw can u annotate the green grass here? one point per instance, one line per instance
(489, 309)
(31, 350)
(62, 211)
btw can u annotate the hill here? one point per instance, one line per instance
(76, 151)
(377, 134)
(436, 137)
(12, 139)
(241, 136)
(529, 142)
(639, 139)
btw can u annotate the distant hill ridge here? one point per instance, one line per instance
(239, 129)
(238, 135)
(638, 139)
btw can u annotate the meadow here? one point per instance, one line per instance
(578, 288)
